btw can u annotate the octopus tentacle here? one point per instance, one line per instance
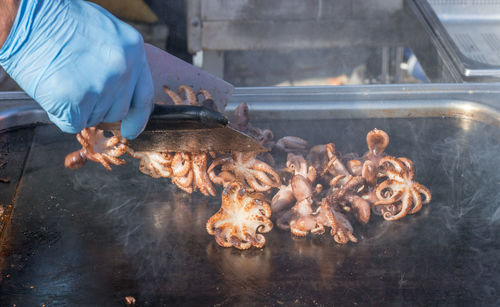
(155, 164)
(98, 148)
(409, 166)
(221, 179)
(173, 95)
(116, 151)
(273, 180)
(239, 219)
(245, 168)
(207, 100)
(189, 93)
(406, 202)
(219, 161)
(424, 191)
(185, 182)
(404, 193)
(102, 160)
(344, 232)
(200, 174)
(206, 94)
(388, 198)
(253, 181)
(416, 200)
(397, 165)
(181, 164)
(112, 160)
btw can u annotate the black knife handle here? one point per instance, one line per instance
(172, 117)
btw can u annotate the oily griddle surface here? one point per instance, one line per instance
(92, 237)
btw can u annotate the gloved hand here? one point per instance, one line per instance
(81, 64)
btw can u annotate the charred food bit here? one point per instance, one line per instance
(130, 301)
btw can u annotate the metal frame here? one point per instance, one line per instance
(460, 67)
(468, 101)
(215, 26)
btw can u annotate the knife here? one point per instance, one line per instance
(171, 71)
(186, 128)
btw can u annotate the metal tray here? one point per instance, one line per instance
(467, 34)
(92, 237)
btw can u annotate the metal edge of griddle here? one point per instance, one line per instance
(443, 41)
(465, 101)
(476, 101)
(22, 116)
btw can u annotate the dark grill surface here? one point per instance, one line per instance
(92, 237)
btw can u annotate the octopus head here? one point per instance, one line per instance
(377, 141)
(301, 187)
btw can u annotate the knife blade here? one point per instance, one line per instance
(171, 71)
(185, 128)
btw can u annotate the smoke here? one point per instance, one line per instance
(449, 248)
(454, 236)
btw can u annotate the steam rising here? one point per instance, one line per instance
(451, 246)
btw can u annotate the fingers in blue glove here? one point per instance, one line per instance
(81, 64)
(141, 107)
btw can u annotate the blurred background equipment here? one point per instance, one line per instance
(134, 10)
(313, 42)
(464, 39)
(320, 42)
(139, 15)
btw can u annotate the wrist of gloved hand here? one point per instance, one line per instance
(81, 64)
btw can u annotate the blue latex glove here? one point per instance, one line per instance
(81, 64)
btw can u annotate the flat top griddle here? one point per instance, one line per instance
(92, 237)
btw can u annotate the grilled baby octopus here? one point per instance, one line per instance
(241, 122)
(244, 167)
(190, 97)
(189, 170)
(154, 164)
(189, 173)
(399, 189)
(96, 147)
(303, 217)
(241, 220)
(308, 215)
